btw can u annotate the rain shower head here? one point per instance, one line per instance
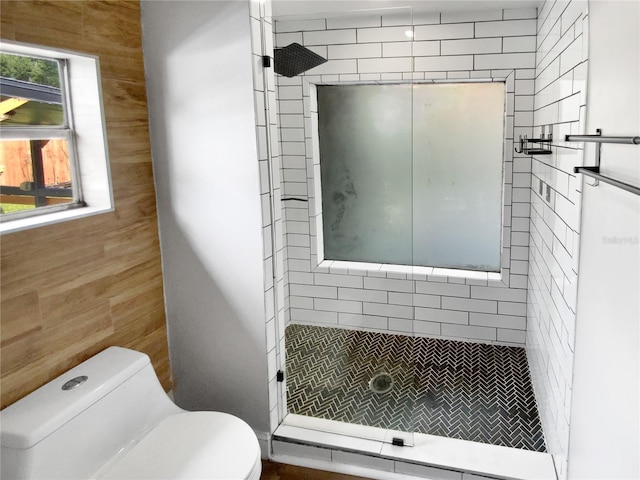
(295, 59)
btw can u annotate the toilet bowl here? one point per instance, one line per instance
(109, 418)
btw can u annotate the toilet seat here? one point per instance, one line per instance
(192, 445)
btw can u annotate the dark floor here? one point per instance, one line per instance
(464, 390)
(281, 471)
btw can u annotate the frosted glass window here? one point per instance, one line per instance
(365, 162)
(412, 174)
(457, 175)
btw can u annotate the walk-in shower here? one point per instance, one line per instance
(403, 284)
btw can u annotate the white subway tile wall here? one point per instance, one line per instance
(498, 44)
(555, 191)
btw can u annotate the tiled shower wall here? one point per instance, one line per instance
(270, 193)
(497, 44)
(560, 100)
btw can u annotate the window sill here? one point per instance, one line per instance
(405, 272)
(18, 225)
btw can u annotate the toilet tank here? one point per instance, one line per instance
(70, 433)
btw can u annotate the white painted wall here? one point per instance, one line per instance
(604, 430)
(203, 133)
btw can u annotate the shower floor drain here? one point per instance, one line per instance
(381, 383)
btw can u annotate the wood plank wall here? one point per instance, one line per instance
(72, 289)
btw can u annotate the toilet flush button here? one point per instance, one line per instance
(75, 382)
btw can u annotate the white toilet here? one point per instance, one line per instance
(109, 418)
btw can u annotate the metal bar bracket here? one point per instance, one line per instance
(598, 152)
(594, 171)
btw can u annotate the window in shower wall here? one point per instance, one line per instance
(412, 174)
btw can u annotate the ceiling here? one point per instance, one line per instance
(302, 8)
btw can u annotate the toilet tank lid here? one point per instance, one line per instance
(36, 416)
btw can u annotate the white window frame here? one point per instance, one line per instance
(85, 132)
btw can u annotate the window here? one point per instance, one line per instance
(53, 155)
(37, 157)
(412, 174)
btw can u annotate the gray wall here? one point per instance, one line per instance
(203, 134)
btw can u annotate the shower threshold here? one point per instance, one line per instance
(337, 446)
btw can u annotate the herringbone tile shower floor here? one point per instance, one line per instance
(464, 390)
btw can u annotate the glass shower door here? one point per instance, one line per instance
(403, 176)
(354, 375)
